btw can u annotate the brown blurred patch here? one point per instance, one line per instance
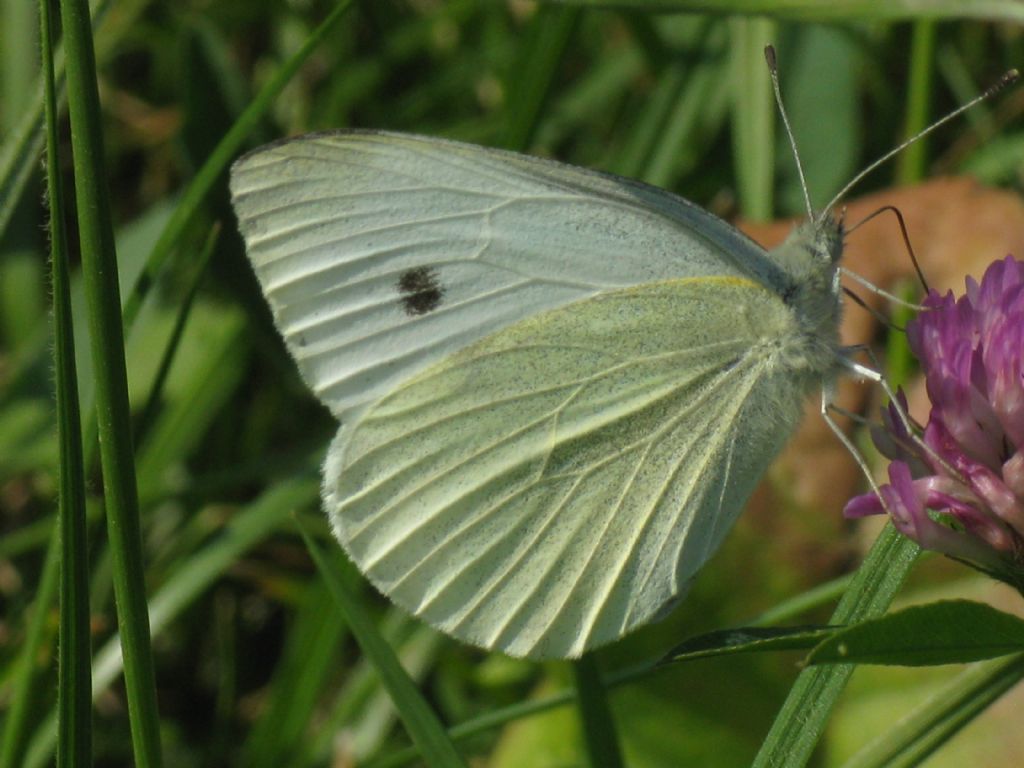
(957, 227)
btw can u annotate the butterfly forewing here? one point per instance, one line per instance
(558, 482)
(383, 253)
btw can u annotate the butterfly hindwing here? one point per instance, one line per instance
(560, 481)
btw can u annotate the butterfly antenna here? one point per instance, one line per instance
(1008, 77)
(773, 70)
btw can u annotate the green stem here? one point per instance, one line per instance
(74, 694)
(803, 716)
(99, 268)
(599, 732)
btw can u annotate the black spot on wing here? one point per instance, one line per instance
(421, 291)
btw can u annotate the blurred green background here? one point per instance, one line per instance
(254, 665)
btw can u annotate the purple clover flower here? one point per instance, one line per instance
(961, 492)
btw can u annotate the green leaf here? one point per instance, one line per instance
(749, 640)
(820, 71)
(944, 632)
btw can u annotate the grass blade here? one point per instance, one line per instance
(549, 35)
(312, 652)
(149, 411)
(754, 117)
(99, 267)
(802, 719)
(911, 164)
(74, 700)
(938, 719)
(27, 674)
(422, 724)
(246, 528)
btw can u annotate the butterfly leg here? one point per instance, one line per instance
(827, 406)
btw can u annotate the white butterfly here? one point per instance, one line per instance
(557, 388)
